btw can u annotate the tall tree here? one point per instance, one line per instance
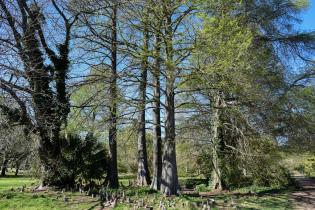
(113, 171)
(143, 176)
(43, 65)
(177, 48)
(157, 139)
(98, 37)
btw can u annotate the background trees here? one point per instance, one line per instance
(15, 146)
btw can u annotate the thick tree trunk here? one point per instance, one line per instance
(215, 143)
(169, 181)
(48, 156)
(157, 141)
(113, 171)
(143, 177)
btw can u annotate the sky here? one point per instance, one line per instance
(308, 17)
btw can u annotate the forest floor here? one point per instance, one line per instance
(304, 196)
(14, 196)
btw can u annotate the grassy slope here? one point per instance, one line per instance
(14, 199)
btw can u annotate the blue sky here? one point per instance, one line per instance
(308, 17)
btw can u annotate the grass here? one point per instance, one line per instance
(268, 202)
(10, 181)
(12, 198)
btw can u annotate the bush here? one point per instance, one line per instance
(266, 169)
(261, 166)
(273, 175)
(81, 159)
(309, 166)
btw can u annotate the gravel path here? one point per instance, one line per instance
(304, 198)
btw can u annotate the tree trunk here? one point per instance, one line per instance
(17, 167)
(48, 158)
(157, 141)
(169, 181)
(113, 171)
(215, 143)
(4, 166)
(143, 177)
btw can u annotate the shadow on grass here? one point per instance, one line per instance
(10, 176)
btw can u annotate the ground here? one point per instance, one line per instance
(14, 196)
(304, 196)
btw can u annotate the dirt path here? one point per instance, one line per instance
(304, 198)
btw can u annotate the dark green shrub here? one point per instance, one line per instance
(81, 159)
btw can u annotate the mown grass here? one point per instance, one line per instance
(12, 197)
(254, 198)
(10, 181)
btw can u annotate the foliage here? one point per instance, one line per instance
(302, 163)
(261, 167)
(309, 166)
(202, 188)
(265, 169)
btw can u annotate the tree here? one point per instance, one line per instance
(15, 146)
(99, 29)
(157, 138)
(143, 176)
(113, 171)
(177, 49)
(239, 76)
(38, 65)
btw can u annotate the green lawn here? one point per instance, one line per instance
(10, 182)
(12, 198)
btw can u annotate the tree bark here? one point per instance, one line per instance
(143, 177)
(157, 141)
(169, 182)
(113, 171)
